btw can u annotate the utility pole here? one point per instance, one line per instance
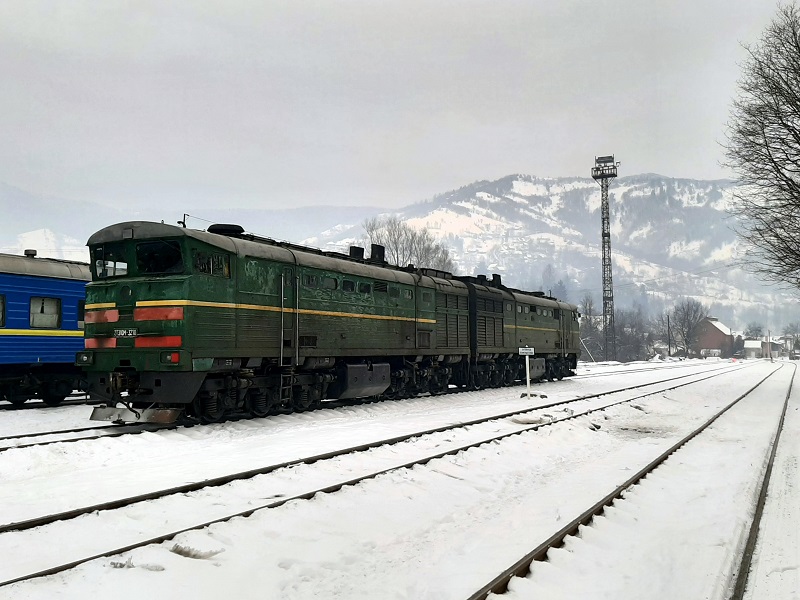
(605, 169)
(669, 339)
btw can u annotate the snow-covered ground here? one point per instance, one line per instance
(441, 530)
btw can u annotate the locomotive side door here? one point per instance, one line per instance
(566, 327)
(289, 317)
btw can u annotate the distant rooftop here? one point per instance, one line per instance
(715, 322)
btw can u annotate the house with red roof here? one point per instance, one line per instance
(712, 338)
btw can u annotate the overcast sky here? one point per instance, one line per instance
(365, 102)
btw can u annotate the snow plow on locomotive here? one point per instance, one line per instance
(213, 323)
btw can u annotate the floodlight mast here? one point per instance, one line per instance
(605, 169)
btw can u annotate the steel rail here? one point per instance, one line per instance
(499, 585)
(219, 481)
(225, 479)
(743, 571)
(134, 428)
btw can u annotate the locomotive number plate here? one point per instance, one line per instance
(125, 333)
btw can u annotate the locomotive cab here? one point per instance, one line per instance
(137, 323)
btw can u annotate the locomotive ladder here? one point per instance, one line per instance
(286, 387)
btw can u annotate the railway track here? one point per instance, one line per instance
(78, 434)
(455, 438)
(74, 399)
(522, 568)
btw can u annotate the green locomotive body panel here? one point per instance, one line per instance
(548, 326)
(229, 321)
(349, 314)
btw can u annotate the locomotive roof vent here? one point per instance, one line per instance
(481, 279)
(496, 280)
(377, 254)
(357, 252)
(30, 253)
(228, 229)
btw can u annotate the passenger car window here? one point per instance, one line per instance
(45, 312)
(2, 311)
(348, 285)
(364, 288)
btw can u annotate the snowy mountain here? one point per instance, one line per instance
(670, 238)
(51, 224)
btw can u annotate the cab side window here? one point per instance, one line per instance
(216, 265)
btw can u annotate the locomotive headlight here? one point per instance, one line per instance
(84, 358)
(171, 358)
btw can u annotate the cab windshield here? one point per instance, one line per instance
(153, 257)
(109, 260)
(159, 257)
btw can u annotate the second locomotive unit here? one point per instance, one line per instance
(211, 323)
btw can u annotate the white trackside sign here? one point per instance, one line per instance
(527, 353)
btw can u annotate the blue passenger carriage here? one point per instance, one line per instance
(41, 326)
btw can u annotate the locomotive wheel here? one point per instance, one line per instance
(303, 401)
(209, 408)
(257, 404)
(300, 404)
(52, 399)
(16, 400)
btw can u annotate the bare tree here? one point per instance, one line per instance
(587, 305)
(633, 334)
(763, 148)
(754, 330)
(685, 317)
(406, 245)
(591, 337)
(560, 291)
(661, 328)
(548, 277)
(793, 330)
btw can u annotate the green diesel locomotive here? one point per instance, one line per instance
(218, 322)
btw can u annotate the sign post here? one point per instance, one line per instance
(527, 353)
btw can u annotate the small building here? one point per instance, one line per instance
(753, 349)
(773, 348)
(712, 338)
